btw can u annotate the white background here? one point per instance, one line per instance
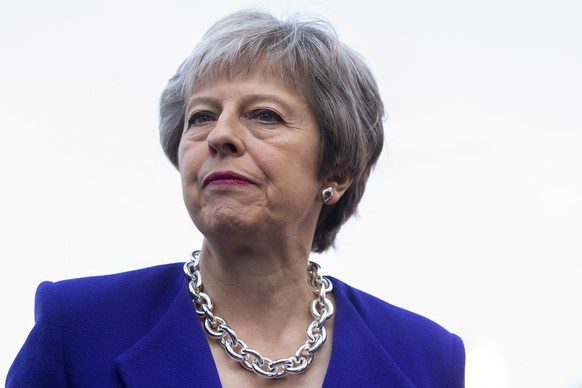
(472, 218)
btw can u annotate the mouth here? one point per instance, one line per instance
(227, 178)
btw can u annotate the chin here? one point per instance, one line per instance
(227, 221)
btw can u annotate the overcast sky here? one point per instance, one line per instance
(472, 218)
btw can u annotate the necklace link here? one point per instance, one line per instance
(216, 327)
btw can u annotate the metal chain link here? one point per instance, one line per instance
(217, 328)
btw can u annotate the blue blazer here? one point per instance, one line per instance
(139, 329)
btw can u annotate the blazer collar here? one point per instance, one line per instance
(358, 358)
(175, 353)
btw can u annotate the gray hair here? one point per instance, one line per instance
(308, 55)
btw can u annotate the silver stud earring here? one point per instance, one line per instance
(326, 195)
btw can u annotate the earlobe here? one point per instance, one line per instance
(327, 195)
(335, 188)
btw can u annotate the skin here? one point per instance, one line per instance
(248, 159)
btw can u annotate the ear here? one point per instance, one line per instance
(339, 187)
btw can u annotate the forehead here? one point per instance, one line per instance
(277, 72)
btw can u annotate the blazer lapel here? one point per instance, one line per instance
(358, 359)
(175, 353)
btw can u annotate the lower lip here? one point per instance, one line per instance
(228, 182)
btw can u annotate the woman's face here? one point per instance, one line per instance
(248, 159)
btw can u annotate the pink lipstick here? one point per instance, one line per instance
(226, 178)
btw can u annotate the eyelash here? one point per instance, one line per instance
(195, 116)
(255, 114)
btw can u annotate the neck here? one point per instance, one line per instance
(261, 293)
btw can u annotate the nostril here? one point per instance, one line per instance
(230, 147)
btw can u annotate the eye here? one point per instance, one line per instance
(266, 116)
(199, 118)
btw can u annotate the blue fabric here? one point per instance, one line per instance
(139, 329)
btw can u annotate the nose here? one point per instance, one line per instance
(225, 138)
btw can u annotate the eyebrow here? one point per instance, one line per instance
(268, 97)
(247, 99)
(201, 100)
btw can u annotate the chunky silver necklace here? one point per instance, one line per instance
(217, 328)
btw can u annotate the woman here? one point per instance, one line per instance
(274, 127)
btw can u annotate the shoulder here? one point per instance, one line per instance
(123, 281)
(417, 344)
(105, 307)
(109, 296)
(117, 295)
(82, 325)
(372, 309)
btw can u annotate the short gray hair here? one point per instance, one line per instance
(335, 81)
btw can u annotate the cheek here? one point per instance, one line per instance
(188, 167)
(309, 160)
(188, 162)
(182, 155)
